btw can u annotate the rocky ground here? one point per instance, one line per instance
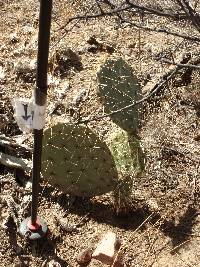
(162, 227)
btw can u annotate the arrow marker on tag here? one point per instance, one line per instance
(26, 116)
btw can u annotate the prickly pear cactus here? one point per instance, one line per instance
(118, 88)
(77, 161)
(130, 162)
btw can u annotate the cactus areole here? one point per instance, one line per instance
(35, 227)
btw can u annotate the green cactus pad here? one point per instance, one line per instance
(130, 162)
(118, 88)
(127, 153)
(75, 160)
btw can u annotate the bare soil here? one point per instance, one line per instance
(162, 227)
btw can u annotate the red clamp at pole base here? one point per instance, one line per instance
(33, 231)
(34, 227)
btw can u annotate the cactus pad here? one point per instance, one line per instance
(127, 153)
(77, 161)
(118, 88)
(130, 162)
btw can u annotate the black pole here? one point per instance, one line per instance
(34, 226)
(40, 95)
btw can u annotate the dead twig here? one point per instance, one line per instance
(157, 12)
(146, 28)
(8, 142)
(14, 162)
(191, 13)
(162, 30)
(94, 16)
(99, 6)
(131, 7)
(191, 66)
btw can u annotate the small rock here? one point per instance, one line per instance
(84, 256)
(152, 204)
(63, 88)
(28, 186)
(127, 52)
(107, 248)
(33, 64)
(28, 29)
(54, 263)
(26, 199)
(14, 38)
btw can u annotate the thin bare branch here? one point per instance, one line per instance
(191, 13)
(191, 66)
(146, 28)
(94, 16)
(14, 162)
(129, 7)
(99, 6)
(63, 36)
(156, 11)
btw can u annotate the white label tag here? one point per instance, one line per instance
(23, 113)
(29, 115)
(39, 117)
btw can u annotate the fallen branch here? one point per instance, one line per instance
(191, 13)
(8, 142)
(146, 28)
(161, 30)
(157, 11)
(14, 162)
(94, 16)
(126, 8)
(191, 66)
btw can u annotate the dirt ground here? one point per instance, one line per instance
(162, 227)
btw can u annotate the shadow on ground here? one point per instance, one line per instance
(101, 212)
(181, 232)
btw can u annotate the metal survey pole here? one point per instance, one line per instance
(33, 226)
